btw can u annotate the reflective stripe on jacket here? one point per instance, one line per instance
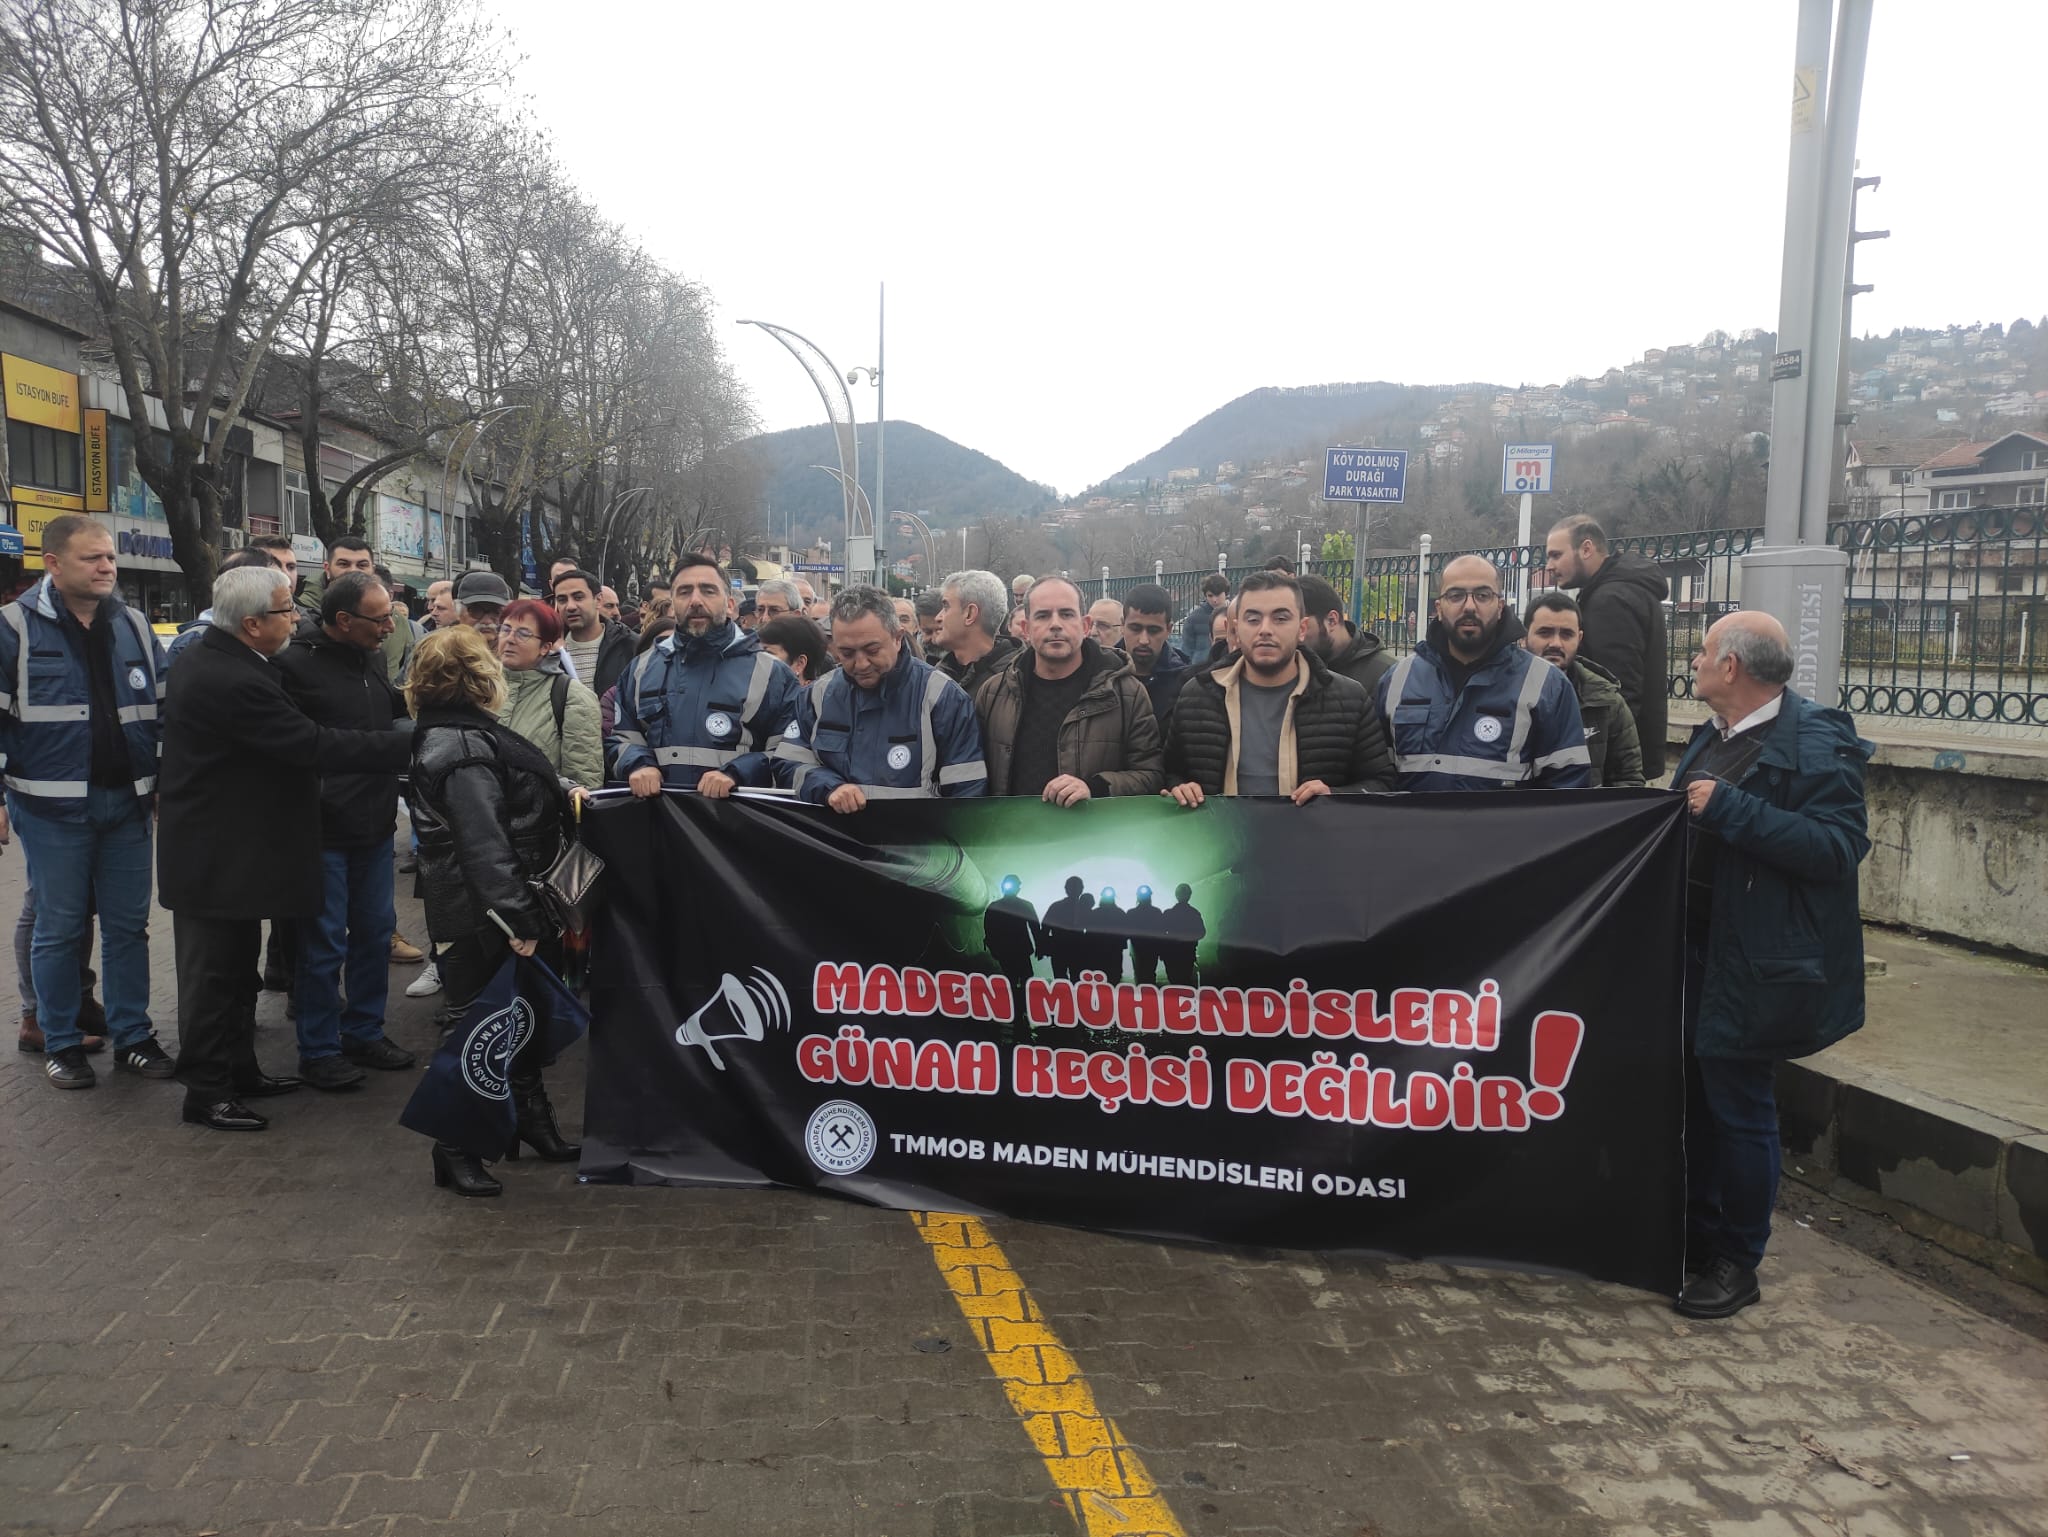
(46, 702)
(710, 701)
(915, 736)
(1515, 722)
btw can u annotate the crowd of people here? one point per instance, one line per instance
(300, 712)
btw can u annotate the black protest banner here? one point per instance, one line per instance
(1438, 1026)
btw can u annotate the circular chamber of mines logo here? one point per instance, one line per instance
(488, 1049)
(718, 723)
(899, 756)
(840, 1137)
(1486, 728)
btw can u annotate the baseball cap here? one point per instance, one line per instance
(482, 589)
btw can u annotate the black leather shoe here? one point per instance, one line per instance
(1721, 1290)
(462, 1172)
(331, 1074)
(382, 1053)
(263, 1086)
(224, 1115)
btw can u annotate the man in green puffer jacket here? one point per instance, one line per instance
(1613, 751)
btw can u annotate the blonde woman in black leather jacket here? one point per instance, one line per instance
(490, 812)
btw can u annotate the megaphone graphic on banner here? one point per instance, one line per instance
(738, 1010)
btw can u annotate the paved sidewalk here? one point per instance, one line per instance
(296, 1332)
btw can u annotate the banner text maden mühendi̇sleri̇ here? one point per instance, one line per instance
(1323, 1088)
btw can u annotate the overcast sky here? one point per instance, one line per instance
(1099, 222)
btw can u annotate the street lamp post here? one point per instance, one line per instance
(881, 422)
(617, 506)
(447, 508)
(931, 551)
(831, 386)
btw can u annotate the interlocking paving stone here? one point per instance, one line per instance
(295, 1332)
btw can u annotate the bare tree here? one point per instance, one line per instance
(197, 161)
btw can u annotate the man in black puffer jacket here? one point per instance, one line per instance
(1276, 720)
(1621, 601)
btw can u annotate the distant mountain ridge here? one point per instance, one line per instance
(1276, 422)
(927, 472)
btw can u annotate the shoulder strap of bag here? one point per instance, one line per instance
(558, 687)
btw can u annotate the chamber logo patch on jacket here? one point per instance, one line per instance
(899, 756)
(1487, 728)
(718, 723)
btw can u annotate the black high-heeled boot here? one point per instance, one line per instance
(537, 1128)
(464, 1171)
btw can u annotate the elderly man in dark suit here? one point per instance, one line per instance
(238, 833)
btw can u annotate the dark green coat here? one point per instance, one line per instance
(1784, 961)
(1611, 741)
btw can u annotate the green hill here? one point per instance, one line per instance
(1269, 425)
(949, 483)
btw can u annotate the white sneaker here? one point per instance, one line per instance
(427, 983)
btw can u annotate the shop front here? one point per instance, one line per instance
(44, 458)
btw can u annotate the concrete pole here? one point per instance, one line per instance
(1796, 575)
(1796, 273)
(1838, 179)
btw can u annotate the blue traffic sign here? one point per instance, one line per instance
(1364, 474)
(817, 565)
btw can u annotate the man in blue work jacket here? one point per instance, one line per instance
(81, 676)
(1469, 709)
(883, 724)
(701, 708)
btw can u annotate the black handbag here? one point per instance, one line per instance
(570, 886)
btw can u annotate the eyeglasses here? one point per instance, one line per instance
(275, 611)
(382, 621)
(518, 635)
(1458, 597)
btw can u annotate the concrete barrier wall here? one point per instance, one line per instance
(1959, 837)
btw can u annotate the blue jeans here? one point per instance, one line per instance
(1731, 1158)
(103, 859)
(346, 949)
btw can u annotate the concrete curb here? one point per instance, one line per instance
(1980, 1173)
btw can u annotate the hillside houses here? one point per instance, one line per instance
(1922, 475)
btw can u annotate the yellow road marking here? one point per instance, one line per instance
(1102, 1479)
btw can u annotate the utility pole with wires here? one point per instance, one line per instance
(1845, 418)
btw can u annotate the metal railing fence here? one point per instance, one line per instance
(1943, 621)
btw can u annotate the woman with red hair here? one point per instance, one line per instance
(553, 711)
